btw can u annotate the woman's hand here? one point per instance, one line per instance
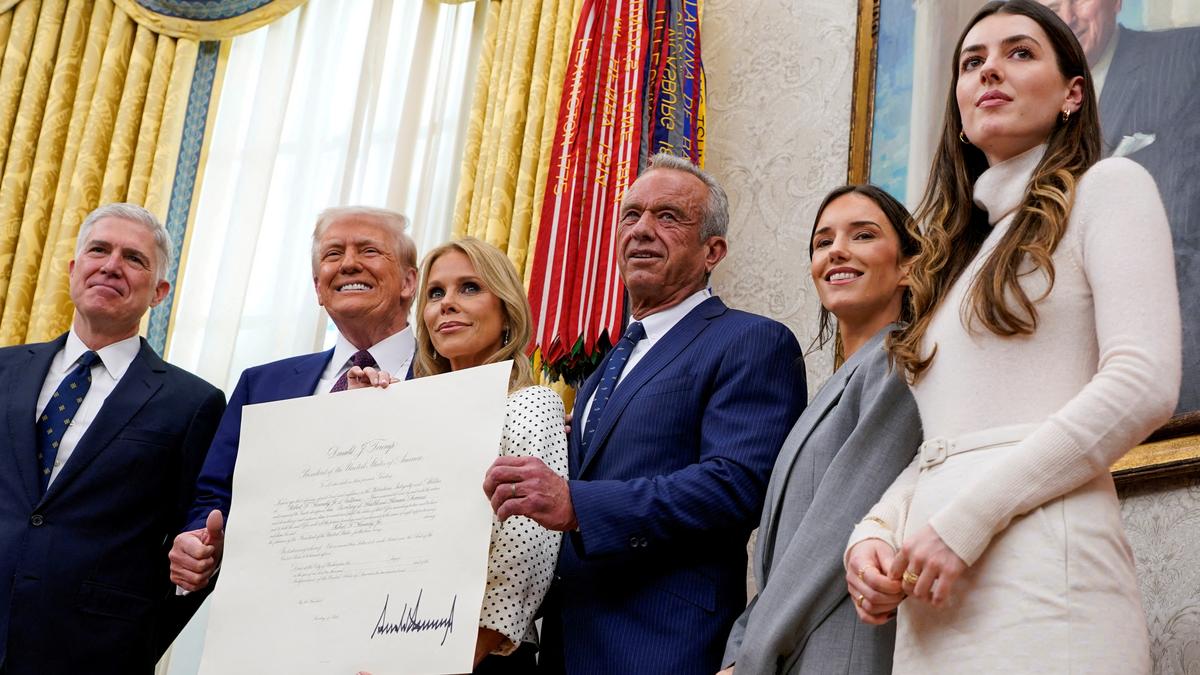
(876, 594)
(361, 378)
(934, 566)
(727, 671)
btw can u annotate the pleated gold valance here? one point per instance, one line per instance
(205, 19)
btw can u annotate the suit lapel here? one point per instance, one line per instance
(659, 356)
(140, 382)
(1117, 106)
(307, 373)
(827, 399)
(26, 373)
(582, 398)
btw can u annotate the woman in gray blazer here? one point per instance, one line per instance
(860, 430)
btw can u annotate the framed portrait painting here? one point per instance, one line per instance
(1145, 61)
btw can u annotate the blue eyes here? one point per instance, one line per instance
(468, 288)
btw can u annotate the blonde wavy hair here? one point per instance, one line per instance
(499, 277)
(951, 229)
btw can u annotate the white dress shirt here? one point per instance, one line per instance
(1100, 70)
(106, 373)
(393, 354)
(656, 325)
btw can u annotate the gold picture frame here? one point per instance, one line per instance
(1172, 450)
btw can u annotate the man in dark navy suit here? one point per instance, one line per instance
(365, 273)
(1148, 83)
(673, 440)
(102, 444)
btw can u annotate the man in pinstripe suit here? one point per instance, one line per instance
(673, 441)
(1149, 88)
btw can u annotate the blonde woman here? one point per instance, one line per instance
(1045, 343)
(472, 310)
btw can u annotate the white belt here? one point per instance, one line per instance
(936, 450)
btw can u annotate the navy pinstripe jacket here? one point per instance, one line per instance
(667, 494)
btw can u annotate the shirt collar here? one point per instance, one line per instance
(1100, 71)
(658, 323)
(114, 358)
(392, 353)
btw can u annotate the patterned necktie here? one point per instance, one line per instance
(363, 359)
(612, 372)
(60, 410)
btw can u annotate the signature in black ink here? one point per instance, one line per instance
(410, 622)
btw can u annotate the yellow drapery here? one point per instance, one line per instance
(517, 89)
(93, 109)
(518, 86)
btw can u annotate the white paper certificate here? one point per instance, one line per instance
(359, 531)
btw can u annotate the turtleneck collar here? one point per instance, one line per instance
(1000, 189)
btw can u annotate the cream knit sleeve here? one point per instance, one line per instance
(1127, 258)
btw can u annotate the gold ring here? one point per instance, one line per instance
(858, 600)
(862, 571)
(514, 490)
(910, 577)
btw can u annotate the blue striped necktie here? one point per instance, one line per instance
(60, 410)
(612, 372)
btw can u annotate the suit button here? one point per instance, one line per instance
(644, 542)
(633, 542)
(37, 520)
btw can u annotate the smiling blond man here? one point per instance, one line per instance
(365, 276)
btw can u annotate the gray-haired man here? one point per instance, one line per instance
(104, 441)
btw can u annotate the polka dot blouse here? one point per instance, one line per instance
(523, 554)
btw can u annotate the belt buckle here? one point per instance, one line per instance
(933, 452)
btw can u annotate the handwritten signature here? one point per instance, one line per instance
(411, 622)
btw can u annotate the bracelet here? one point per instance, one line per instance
(878, 521)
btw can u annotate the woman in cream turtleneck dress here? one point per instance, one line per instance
(1045, 345)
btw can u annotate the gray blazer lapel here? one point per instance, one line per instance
(820, 406)
(826, 399)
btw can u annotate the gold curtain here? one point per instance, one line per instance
(100, 101)
(517, 89)
(90, 104)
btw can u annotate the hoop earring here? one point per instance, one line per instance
(962, 138)
(1066, 115)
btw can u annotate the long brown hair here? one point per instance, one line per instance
(954, 228)
(500, 278)
(901, 222)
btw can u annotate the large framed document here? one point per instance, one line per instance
(358, 533)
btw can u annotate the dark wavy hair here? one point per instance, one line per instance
(900, 220)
